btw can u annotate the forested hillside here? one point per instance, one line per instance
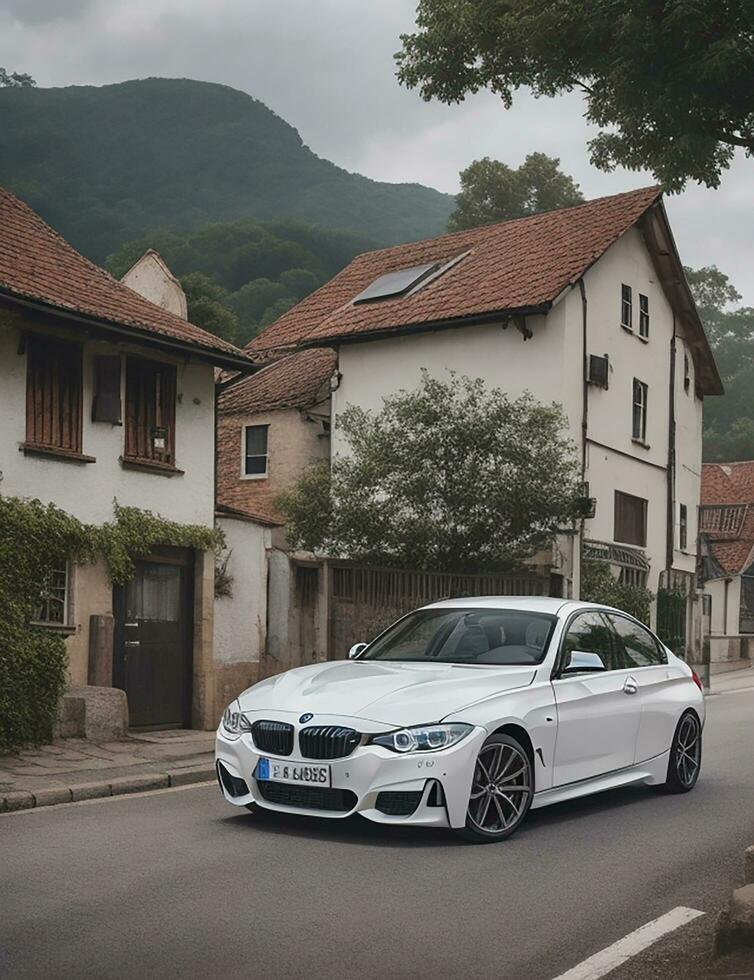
(108, 164)
(241, 275)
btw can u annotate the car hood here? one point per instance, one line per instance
(390, 692)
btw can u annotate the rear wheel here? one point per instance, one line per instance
(501, 790)
(685, 755)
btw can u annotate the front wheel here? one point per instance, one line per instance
(685, 755)
(501, 791)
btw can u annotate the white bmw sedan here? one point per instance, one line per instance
(465, 714)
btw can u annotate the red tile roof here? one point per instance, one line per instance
(294, 381)
(37, 264)
(731, 483)
(510, 266)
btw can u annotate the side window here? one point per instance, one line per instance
(640, 647)
(591, 633)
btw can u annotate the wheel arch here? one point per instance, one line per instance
(520, 733)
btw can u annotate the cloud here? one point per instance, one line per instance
(327, 68)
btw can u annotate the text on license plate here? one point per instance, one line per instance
(292, 772)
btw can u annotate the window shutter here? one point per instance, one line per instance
(53, 394)
(106, 406)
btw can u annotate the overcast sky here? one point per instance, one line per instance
(326, 66)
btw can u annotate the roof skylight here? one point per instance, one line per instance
(396, 283)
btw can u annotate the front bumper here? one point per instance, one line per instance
(369, 771)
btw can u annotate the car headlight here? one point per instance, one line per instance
(235, 722)
(425, 738)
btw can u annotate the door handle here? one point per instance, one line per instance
(630, 687)
(131, 643)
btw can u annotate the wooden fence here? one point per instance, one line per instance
(363, 601)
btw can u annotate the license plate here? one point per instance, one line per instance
(292, 772)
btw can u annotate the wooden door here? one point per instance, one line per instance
(152, 659)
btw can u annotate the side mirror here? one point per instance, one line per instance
(582, 662)
(356, 650)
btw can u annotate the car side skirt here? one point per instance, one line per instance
(653, 772)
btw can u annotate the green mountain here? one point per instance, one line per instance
(105, 165)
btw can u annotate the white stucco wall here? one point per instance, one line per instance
(87, 490)
(240, 624)
(501, 358)
(151, 278)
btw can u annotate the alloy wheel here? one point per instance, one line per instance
(688, 750)
(501, 788)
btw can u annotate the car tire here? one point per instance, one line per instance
(501, 791)
(685, 759)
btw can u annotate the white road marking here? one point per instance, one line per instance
(612, 957)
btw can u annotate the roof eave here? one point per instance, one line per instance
(473, 319)
(659, 239)
(149, 338)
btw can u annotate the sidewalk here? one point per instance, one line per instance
(732, 680)
(79, 769)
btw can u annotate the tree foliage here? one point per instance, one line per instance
(451, 476)
(669, 84)
(492, 191)
(15, 79)
(105, 165)
(728, 419)
(241, 275)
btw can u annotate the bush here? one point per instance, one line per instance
(598, 584)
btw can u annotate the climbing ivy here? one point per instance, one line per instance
(34, 539)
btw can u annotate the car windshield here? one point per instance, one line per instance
(466, 636)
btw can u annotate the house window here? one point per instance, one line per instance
(53, 602)
(639, 418)
(643, 316)
(53, 394)
(683, 527)
(255, 450)
(150, 411)
(630, 519)
(686, 373)
(106, 404)
(626, 307)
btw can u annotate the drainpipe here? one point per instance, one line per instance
(578, 539)
(670, 530)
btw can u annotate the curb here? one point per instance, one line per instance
(120, 786)
(734, 928)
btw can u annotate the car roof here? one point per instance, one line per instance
(520, 603)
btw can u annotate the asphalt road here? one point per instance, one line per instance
(179, 884)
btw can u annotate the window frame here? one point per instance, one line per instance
(66, 623)
(47, 361)
(644, 316)
(627, 307)
(683, 527)
(161, 411)
(245, 455)
(661, 653)
(642, 405)
(645, 508)
(559, 665)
